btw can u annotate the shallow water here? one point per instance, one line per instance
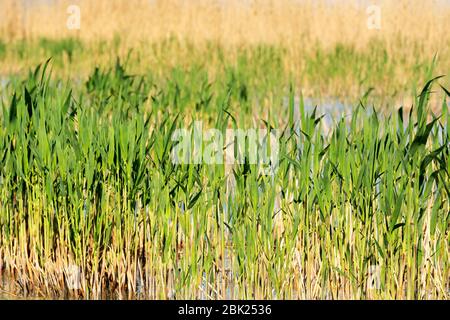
(3, 82)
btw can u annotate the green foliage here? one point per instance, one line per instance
(92, 172)
(2, 49)
(57, 48)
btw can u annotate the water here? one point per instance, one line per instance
(3, 82)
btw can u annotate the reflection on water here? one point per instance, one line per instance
(332, 110)
(3, 82)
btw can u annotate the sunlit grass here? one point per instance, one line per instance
(87, 181)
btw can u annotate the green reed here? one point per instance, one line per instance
(360, 210)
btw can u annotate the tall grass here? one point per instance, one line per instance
(87, 182)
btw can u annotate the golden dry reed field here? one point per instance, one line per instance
(115, 180)
(307, 35)
(293, 24)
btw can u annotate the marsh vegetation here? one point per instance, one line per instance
(92, 204)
